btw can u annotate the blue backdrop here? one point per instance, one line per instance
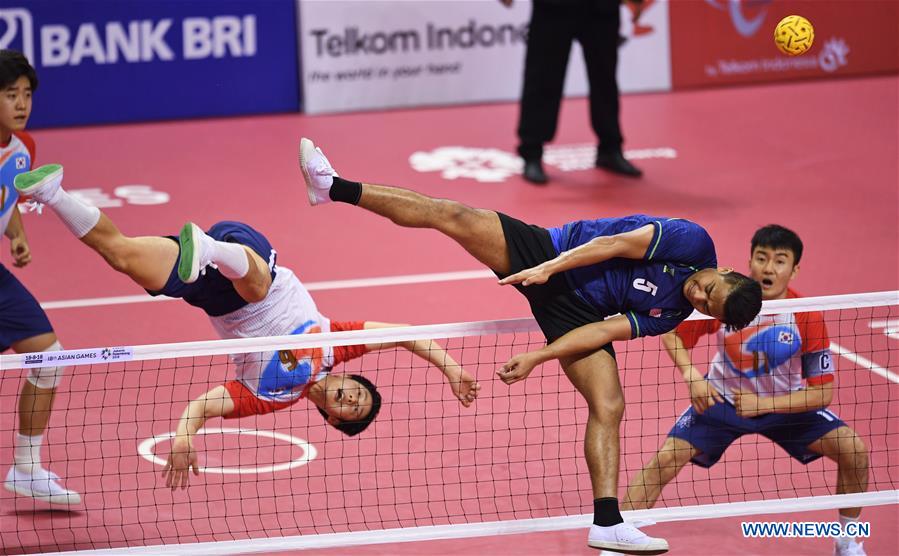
(104, 61)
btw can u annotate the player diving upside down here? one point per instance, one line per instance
(230, 272)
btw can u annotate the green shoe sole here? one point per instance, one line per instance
(27, 181)
(187, 265)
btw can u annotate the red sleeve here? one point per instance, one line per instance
(690, 331)
(813, 331)
(817, 380)
(342, 354)
(28, 140)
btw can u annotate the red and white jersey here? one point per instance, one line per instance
(15, 158)
(287, 309)
(770, 357)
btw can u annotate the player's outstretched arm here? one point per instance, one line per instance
(464, 385)
(586, 339)
(702, 395)
(629, 245)
(183, 458)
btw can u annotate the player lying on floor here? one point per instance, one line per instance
(230, 272)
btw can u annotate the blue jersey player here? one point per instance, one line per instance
(649, 271)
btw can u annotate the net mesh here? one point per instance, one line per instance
(517, 453)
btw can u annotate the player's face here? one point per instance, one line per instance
(15, 105)
(773, 268)
(346, 399)
(707, 291)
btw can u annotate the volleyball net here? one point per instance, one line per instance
(511, 462)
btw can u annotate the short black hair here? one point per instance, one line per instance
(352, 428)
(13, 65)
(776, 236)
(744, 301)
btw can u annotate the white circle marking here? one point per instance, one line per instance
(145, 449)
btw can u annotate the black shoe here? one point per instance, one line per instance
(615, 162)
(533, 172)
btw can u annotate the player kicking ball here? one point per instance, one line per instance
(230, 272)
(653, 271)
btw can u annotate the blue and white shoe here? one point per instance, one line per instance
(317, 172)
(41, 485)
(625, 538)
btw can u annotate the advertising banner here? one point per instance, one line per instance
(369, 54)
(717, 42)
(103, 61)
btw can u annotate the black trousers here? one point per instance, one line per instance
(553, 27)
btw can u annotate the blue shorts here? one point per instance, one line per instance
(714, 430)
(21, 316)
(212, 292)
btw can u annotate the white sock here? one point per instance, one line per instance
(27, 452)
(230, 258)
(77, 216)
(845, 520)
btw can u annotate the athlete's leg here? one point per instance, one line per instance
(596, 377)
(847, 449)
(646, 487)
(478, 231)
(35, 403)
(248, 272)
(27, 476)
(146, 260)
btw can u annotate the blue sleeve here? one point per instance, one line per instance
(643, 324)
(681, 242)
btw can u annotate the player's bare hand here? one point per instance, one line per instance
(506, 3)
(464, 385)
(21, 253)
(518, 368)
(703, 396)
(748, 404)
(534, 275)
(181, 460)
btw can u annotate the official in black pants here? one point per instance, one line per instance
(554, 25)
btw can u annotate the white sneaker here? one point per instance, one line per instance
(851, 548)
(42, 485)
(41, 184)
(195, 251)
(317, 171)
(625, 538)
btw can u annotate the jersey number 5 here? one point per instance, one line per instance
(645, 285)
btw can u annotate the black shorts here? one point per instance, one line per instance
(556, 306)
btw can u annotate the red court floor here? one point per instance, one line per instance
(819, 157)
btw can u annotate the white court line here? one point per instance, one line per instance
(311, 286)
(865, 363)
